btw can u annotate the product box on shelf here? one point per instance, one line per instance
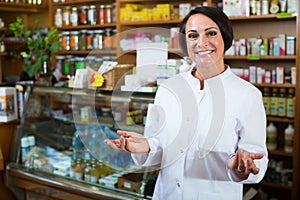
(130, 181)
(8, 104)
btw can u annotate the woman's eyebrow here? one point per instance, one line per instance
(207, 29)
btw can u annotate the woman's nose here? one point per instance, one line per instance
(202, 40)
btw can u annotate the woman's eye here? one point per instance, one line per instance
(193, 36)
(212, 33)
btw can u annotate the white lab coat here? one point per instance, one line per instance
(193, 146)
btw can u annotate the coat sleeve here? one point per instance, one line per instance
(252, 132)
(153, 131)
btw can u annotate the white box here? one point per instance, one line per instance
(8, 104)
(293, 75)
(252, 74)
(243, 45)
(279, 75)
(282, 44)
(290, 45)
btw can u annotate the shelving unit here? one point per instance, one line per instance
(267, 26)
(19, 7)
(29, 13)
(89, 27)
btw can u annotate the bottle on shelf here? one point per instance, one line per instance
(79, 169)
(87, 171)
(95, 173)
(24, 149)
(86, 139)
(282, 103)
(58, 18)
(274, 102)
(77, 144)
(289, 138)
(271, 136)
(72, 169)
(267, 100)
(290, 103)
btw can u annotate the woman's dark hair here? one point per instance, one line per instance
(215, 14)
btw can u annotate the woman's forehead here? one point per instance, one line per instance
(200, 22)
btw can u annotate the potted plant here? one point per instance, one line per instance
(40, 45)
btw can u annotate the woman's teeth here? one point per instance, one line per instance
(203, 52)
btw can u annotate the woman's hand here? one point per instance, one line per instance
(130, 141)
(242, 163)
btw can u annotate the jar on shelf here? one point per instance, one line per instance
(59, 62)
(101, 18)
(92, 15)
(66, 16)
(83, 15)
(114, 42)
(79, 63)
(90, 62)
(66, 65)
(74, 17)
(65, 41)
(82, 39)
(98, 39)
(2, 46)
(89, 40)
(72, 65)
(108, 14)
(58, 18)
(74, 40)
(98, 62)
(114, 13)
(108, 38)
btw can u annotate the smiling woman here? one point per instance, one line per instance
(216, 140)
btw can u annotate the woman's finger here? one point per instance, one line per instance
(115, 144)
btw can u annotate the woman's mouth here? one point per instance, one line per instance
(204, 52)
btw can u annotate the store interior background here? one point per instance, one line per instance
(265, 26)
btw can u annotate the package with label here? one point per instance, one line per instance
(8, 104)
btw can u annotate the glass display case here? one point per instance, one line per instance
(59, 150)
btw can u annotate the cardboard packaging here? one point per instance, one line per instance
(8, 104)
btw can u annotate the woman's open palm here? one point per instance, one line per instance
(129, 141)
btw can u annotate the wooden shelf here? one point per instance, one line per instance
(280, 119)
(80, 27)
(280, 152)
(274, 85)
(3, 53)
(276, 185)
(25, 8)
(150, 22)
(95, 51)
(260, 17)
(80, 2)
(262, 58)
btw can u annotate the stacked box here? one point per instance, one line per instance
(8, 104)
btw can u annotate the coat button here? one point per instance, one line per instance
(177, 183)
